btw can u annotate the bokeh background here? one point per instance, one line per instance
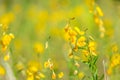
(37, 23)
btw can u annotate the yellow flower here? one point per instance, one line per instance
(53, 75)
(81, 41)
(92, 47)
(6, 39)
(72, 32)
(12, 36)
(2, 71)
(46, 64)
(33, 69)
(61, 74)
(34, 66)
(115, 60)
(6, 57)
(73, 40)
(99, 11)
(38, 48)
(30, 77)
(81, 75)
(79, 31)
(85, 52)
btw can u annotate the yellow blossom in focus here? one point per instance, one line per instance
(81, 41)
(2, 71)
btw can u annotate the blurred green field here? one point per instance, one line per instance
(36, 39)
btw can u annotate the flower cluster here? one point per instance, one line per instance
(114, 60)
(33, 71)
(5, 40)
(82, 45)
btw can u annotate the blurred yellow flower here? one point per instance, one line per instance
(99, 11)
(34, 66)
(60, 75)
(30, 77)
(53, 75)
(6, 39)
(2, 71)
(38, 48)
(109, 71)
(81, 75)
(114, 48)
(6, 57)
(7, 18)
(46, 64)
(115, 60)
